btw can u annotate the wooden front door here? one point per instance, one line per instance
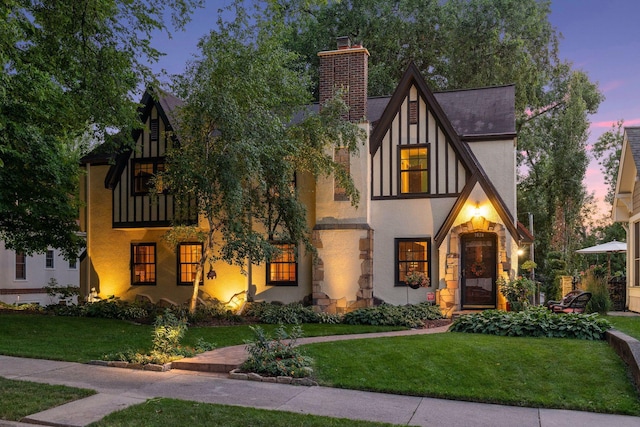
(478, 270)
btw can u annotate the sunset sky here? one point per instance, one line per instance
(600, 37)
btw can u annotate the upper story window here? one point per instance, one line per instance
(73, 264)
(48, 260)
(411, 255)
(21, 266)
(143, 172)
(342, 157)
(143, 263)
(414, 171)
(189, 255)
(282, 269)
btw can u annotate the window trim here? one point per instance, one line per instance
(49, 260)
(23, 264)
(396, 244)
(180, 264)
(400, 172)
(155, 162)
(134, 263)
(293, 263)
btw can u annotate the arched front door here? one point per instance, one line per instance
(478, 270)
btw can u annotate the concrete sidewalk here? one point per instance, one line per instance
(120, 388)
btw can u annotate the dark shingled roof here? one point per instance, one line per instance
(472, 112)
(633, 138)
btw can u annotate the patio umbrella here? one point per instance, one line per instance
(605, 248)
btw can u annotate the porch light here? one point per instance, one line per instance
(477, 212)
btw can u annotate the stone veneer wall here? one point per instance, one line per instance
(449, 297)
(363, 298)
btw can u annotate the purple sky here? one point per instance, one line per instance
(600, 37)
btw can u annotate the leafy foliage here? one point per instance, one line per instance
(293, 314)
(533, 322)
(277, 356)
(246, 135)
(412, 316)
(67, 72)
(600, 301)
(517, 291)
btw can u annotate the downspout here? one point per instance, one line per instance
(87, 222)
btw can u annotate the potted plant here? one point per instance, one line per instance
(517, 292)
(417, 279)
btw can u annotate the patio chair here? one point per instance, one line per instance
(565, 299)
(576, 305)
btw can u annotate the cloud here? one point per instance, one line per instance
(612, 85)
(606, 124)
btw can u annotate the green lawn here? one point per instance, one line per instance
(56, 338)
(21, 398)
(538, 372)
(630, 325)
(167, 412)
(554, 373)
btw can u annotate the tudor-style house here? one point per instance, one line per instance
(626, 209)
(437, 178)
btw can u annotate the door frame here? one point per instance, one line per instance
(476, 236)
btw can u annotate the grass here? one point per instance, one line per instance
(629, 325)
(56, 338)
(537, 372)
(164, 412)
(21, 398)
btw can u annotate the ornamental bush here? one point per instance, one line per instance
(412, 316)
(533, 322)
(277, 356)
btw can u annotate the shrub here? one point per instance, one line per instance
(533, 322)
(168, 332)
(412, 316)
(600, 301)
(517, 292)
(277, 356)
(275, 314)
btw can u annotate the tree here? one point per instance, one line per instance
(245, 134)
(553, 161)
(68, 71)
(607, 150)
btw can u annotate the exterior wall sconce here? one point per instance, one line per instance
(477, 212)
(212, 273)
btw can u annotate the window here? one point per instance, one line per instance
(189, 255)
(143, 172)
(143, 260)
(48, 260)
(414, 173)
(282, 269)
(341, 156)
(21, 266)
(73, 264)
(411, 255)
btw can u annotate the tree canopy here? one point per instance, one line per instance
(246, 135)
(68, 72)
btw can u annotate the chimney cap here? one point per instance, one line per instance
(344, 42)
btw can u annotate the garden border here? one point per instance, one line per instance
(628, 348)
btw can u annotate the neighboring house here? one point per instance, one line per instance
(626, 209)
(437, 177)
(23, 277)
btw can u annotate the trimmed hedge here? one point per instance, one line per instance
(411, 316)
(533, 322)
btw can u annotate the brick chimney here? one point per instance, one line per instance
(346, 68)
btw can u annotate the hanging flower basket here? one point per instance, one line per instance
(417, 279)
